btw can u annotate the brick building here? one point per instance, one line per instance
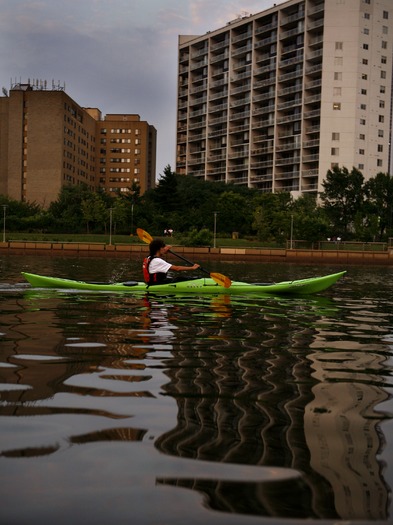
(47, 141)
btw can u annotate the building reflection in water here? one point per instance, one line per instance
(342, 434)
(268, 398)
(253, 386)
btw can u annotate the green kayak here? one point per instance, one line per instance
(195, 286)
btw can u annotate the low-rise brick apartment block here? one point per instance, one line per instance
(47, 141)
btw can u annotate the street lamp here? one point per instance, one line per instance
(4, 209)
(291, 245)
(215, 229)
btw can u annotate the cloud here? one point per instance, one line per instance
(117, 55)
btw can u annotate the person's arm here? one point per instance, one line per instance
(183, 268)
(176, 268)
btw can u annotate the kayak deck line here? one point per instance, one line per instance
(204, 285)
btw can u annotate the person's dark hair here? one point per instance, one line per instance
(155, 245)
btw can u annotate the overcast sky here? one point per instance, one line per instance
(117, 55)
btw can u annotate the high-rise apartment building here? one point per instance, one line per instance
(47, 141)
(275, 100)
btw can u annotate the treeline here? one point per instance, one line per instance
(348, 207)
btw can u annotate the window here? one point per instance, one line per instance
(379, 163)
(362, 121)
(383, 59)
(366, 31)
(366, 16)
(363, 91)
(361, 152)
(338, 61)
(365, 46)
(384, 30)
(381, 103)
(363, 106)
(338, 76)
(380, 148)
(335, 151)
(336, 105)
(337, 91)
(382, 89)
(384, 44)
(361, 166)
(385, 15)
(364, 76)
(380, 133)
(339, 46)
(362, 136)
(365, 61)
(381, 118)
(335, 136)
(383, 74)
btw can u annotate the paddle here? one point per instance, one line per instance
(220, 279)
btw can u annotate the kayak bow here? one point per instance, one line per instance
(195, 286)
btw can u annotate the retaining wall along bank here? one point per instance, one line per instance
(138, 251)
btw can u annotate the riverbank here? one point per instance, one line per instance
(133, 251)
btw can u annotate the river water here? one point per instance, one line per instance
(195, 410)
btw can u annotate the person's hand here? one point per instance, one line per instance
(166, 248)
(195, 267)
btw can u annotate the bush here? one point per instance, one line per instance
(202, 237)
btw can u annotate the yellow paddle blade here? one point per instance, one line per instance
(144, 236)
(220, 279)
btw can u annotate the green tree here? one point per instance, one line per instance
(309, 219)
(21, 216)
(234, 213)
(121, 215)
(343, 198)
(272, 216)
(93, 210)
(66, 211)
(165, 194)
(379, 195)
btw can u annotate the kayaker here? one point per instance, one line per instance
(155, 268)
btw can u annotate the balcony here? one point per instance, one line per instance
(287, 161)
(289, 118)
(265, 28)
(310, 173)
(287, 175)
(238, 116)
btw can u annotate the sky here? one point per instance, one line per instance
(119, 56)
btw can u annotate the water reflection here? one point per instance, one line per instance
(266, 406)
(260, 397)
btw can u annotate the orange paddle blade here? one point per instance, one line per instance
(144, 236)
(220, 279)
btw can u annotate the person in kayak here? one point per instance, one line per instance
(155, 268)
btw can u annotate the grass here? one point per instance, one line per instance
(125, 239)
(69, 237)
(220, 241)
